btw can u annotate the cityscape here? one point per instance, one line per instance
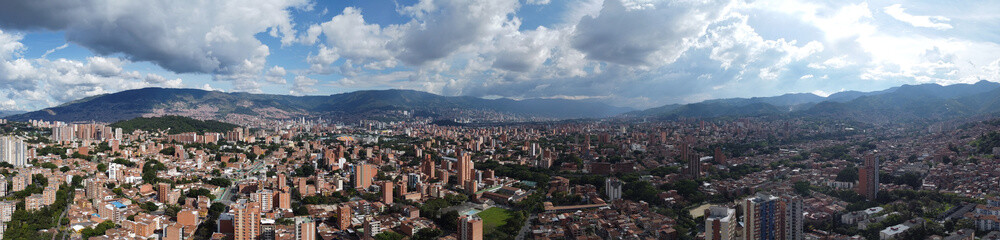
(499, 119)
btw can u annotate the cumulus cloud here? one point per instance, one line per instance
(40, 82)
(275, 75)
(218, 38)
(303, 85)
(652, 35)
(437, 30)
(899, 13)
(10, 45)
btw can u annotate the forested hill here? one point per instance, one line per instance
(174, 125)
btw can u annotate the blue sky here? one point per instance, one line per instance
(635, 53)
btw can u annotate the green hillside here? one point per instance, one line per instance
(175, 124)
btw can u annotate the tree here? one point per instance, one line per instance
(448, 220)
(64, 169)
(98, 230)
(389, 235)
(49, 165)
(305, 170)
(427, 234)
(802, 188)
(172, 210)
(40, 179)
(168, 151)
(194, 193)
(150, 206)
(455, 199)
(848, 174)
(101, 167)
(221, 182)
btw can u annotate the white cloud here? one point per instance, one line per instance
(10, 45)
(538, 2)
(303, 85)
(50, 51)
(215, 37)
(936, 22)
(350, 37)
(275, 75)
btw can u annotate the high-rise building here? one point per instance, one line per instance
(265, 199)
(613, 187)
(7, 210)
(868, 177)
(267, 229)
(49, 194)
(760, 216)
(163, 192)
(63, 133)
(372, 228)
(95, 188)
(386, 191)
(686, 154)
(12, 150)
(427, 166)
(768, 217)
(284, 200)
(720, 223)
(792, 222)
(305, 229)
(174, 232)
(464, 168)
(343, 217)
(363, 175)
(282, 181)
(246, 220)
(720, 157)
(470, 227)
(20, 182)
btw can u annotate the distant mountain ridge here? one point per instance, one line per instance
(903, 103)
(203, 104)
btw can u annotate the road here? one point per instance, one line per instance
(226, 197)
(62, 215)
(524, 229)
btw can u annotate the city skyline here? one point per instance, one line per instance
(674, 51)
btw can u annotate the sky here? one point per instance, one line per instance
(631, 53)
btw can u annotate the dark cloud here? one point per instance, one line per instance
(642, 36)
(182, 36)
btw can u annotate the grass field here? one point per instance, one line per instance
(493, 217)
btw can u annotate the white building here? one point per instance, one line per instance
(12, 150)
(613, 187)
(720, 223)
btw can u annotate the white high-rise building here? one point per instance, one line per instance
(613, 187)
(12, 150)
(720, 223)
(63, 133)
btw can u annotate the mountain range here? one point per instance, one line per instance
(370, 103)
(903, 103)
